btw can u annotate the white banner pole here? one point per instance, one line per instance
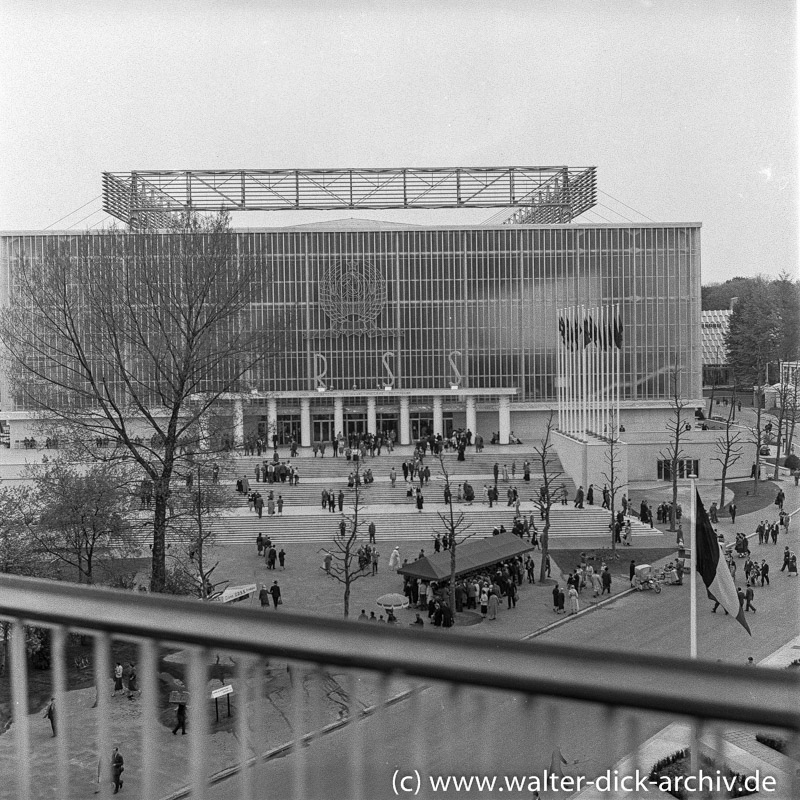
(692, 572)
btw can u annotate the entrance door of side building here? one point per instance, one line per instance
(322, 428)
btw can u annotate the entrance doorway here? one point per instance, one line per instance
(421, 424)
(387, 421)
(322, 429)
(355, 423)
(288, 428)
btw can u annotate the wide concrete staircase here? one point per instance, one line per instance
(394, 513)
(406, 524)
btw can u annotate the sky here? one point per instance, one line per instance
(687, 109)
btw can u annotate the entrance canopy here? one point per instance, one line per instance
(470, 556)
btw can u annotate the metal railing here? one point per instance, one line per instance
(397, 664)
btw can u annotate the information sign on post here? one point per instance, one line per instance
(226, 690)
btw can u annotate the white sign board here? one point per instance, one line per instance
(221, 692)
(234, 594)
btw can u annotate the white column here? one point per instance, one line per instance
(405, 420)
(238, 423)
(272, 419)
(504, 419)
(472, 416)
(372, 420)
(438, 421)
(338, 416)
(305, 422)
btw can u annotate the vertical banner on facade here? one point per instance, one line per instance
(588, 361)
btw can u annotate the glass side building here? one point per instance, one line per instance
(413, 328)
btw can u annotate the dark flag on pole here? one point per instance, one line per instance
(618, 332)
(562, 330)
(587, 331)
(711, 566)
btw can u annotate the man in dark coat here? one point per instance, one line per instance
(117, 768)
(180, 717)
(275, 591)
(50, 713)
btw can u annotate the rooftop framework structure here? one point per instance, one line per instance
(540, 195)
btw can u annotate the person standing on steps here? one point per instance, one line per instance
(371, 530)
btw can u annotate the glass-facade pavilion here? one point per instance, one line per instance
(413, 327)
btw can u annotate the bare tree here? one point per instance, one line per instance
(17, 555)
(455, 530)
(136, 337)
(193, 511)
(784, 402)
(80, 516)
(729, 448)
(545, 455)
(792, 411)
(678, 425)
(344, 549)
(611, 477)
(757, 432)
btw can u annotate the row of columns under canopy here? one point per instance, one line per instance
(404, 432)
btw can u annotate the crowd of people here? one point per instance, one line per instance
(481, 591)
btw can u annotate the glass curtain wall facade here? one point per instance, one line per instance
(417, 308)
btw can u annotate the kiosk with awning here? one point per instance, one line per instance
(470, 557)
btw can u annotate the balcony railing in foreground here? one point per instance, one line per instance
(357, 703)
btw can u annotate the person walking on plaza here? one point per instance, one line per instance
(50, 713)
(748, 596)
(117, 679)
(786, 558)
(263, 596)
(764, 572)
(375, 556)
(282, 558)
(117, 768)
(180, 720)
(732, 512)
(574, 604)
(275, 591)
(133, 682)
(606, 580)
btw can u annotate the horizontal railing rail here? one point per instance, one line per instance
(652, 682)
(709, 694)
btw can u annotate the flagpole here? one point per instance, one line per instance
(692, 572)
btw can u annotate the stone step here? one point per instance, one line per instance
(409, 525)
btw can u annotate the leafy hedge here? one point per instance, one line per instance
(775, 742)
(678, 764)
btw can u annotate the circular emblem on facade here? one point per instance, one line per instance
(352, 294)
